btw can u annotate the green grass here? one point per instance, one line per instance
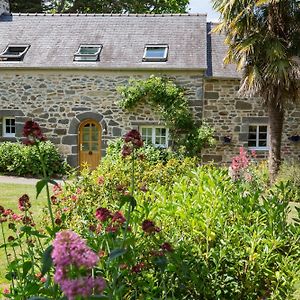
(9, 195)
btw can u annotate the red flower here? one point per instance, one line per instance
(118, 217)
(103, 214)
(24, 203)
(134, 137)
(149, 227)
(126, 150)
(32, 132)
(166, 247)
(138, 267)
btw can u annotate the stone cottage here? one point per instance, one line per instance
(63, 71)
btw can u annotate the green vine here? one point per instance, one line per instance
(171, 104)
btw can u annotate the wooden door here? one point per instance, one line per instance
(89, 143)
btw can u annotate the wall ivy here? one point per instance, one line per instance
(171, 103)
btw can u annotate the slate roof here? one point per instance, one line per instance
(55, 38)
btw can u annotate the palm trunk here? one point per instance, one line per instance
(276, 118)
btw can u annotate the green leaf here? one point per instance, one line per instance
(47, 261)
(117, 253)
(40, 185)
(97, 297)
(128, 199)
(27, 265)
(38, 298)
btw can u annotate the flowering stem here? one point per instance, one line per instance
(4, 241)
(47, 186)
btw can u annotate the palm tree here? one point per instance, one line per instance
(263, 38)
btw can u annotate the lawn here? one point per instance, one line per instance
(9, 195)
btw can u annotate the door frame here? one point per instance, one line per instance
(79, 134)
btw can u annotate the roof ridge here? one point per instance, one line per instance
(110, 15)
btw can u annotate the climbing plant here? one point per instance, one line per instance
(169, 100)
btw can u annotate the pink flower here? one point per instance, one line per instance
(6, 291)
(103, 214)
(149, 227)
(100, 180)
(70, 249)
(82, 287)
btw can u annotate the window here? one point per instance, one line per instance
(88, 53)
(155, 53)
(258, 137)
(9, 127)
(14, 53)
(157, 136)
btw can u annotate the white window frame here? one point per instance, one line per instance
(257, 147)
(88, 57)
(153, 135)
(156, 59)
(14, 58)
(4, 133)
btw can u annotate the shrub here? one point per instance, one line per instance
(19, 159)
(289, 174)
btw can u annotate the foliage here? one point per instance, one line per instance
(169, 100)
(152, 230)
(263, 40)
(31, 6)
(16, 158)
(97, 6)
(289, 174)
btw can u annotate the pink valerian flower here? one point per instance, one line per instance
(74, 197)
(149, 227)
(8, 212)
(26, 220)
(167, 247)
(103, 214)
(33, 133)
(133, 140)
(134, 137)
(57, 189)
(82, 287)
(16, 217)
(118, 217)
(6, 291)
(24, 203)
(239, 164)
(138, 267)
(70, 249)
(100, 180)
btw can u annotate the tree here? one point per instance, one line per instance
(30, 6)
(119, 6)
(263, 38)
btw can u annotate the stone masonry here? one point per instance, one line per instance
(231, 115)
(60, 101)
(4, 7)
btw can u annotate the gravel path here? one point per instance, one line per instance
(21, 180)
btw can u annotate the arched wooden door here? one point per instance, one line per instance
(89, 143)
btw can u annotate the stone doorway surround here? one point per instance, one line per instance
(71, 138)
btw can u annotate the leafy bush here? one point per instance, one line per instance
(21, 160)
(289, 174)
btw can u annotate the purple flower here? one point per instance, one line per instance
(84, 287)
(69, 249)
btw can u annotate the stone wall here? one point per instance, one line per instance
(4, 7)
(231, 115)
(59, 101)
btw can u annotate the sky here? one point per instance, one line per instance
(204, 6)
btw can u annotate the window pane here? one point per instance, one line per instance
(88, 50)
(262, 144)
(263, 129)
(153, 52)
(251, 143)
(252, 136)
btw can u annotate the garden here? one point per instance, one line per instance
(153, 224)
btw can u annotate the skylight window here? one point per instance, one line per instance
(155, 53)
(88, 53)
(14, 53)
